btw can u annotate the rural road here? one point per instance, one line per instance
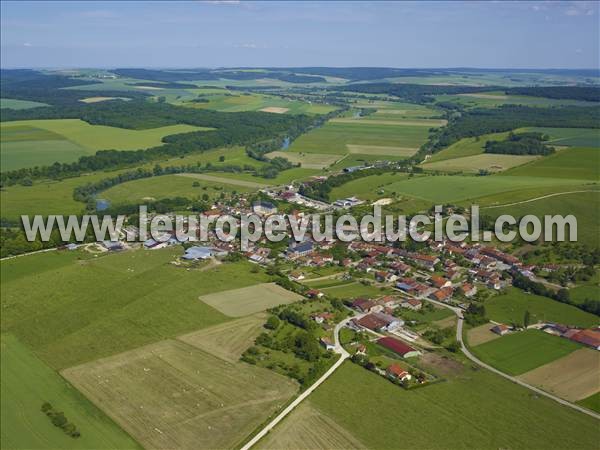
(468, 354)
(537, 198)
(343, 356)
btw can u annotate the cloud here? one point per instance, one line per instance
(27, 44)
(580, 9)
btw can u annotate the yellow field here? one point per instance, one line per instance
(100, 99)
(250, 300)
(275, 110)
(307, 160)
(381, 150)
(308, 428)
(481, 334)
(171, 395)
(228, 340)
(572, 377)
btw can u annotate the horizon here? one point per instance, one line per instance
(227, 34)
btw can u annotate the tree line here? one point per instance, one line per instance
(520, 144)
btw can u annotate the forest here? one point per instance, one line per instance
(520, 144)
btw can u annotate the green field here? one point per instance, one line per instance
(592, 402)
(494, 99)
(523, 351)
(355, 289)
(511, 307)
(585, 206)
(475, 163)
(573, 137)
(70, 307)
(367, 188)
(332, 138)
(231, 101)
(475, 409)
(466, 147)
(11, 103)
(27, 383)
(570, 163)
(166, 186)
(467, 188)
(29, 143)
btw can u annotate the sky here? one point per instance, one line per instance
(286, 34)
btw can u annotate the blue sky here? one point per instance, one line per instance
(233, 33)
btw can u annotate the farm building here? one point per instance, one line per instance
(264, 208)
(399, 347)
(196, 253)
(590, 337)
(500, 329)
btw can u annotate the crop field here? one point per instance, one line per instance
(165, 186)
(585, 206)
(494, 413)
(355, 289)
(92, 307)
(283, 177)
(227, 340)
(395, 110)
(520, 352)
(511, 307)
(367, 188)
(573, 137)
(249, 300)
(173, 395)
(481, 334)
(309, 429)
(573, 377)
(592, 402)
(475, 163)
(101, 99)
(29, 143)
(381, 150)
(466, 147)
(11, 103)
(307, 160)
(570, 163)
(26, 383)
(395, 120)
(358, 159)
(457, 188)
(233, 102)
(494, 99)
(333, 138)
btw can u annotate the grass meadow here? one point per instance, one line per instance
(26, 384)
(573, 137)
(31, 143)
(510, 308)
(570, 163)
(71, 307)
(493, 413)
(523, 351)
(475, 163)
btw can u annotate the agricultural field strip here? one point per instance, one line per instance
(230, 181)
(537, 198)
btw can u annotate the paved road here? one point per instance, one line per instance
(468, 354)
(343, 356)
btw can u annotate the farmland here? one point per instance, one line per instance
(83, 322)
(26, 384)
(521, 352)
(570, 163)
(367, 188)
(475, 163)
(573, 137)
(481, 334)
(307, 160)
(249, 300)
(42, 142)
(466, 147)
(168, 186)
(510, 308)
(18, 104)
(592, 402)
(173, 395)
(494, 414)
(573, 377)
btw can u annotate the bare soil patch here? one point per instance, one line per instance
(275, 110)
(481, 334)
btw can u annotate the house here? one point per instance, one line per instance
(326, 342)
(391, 322)
(371, 322)
(264, 208)
(407, 285)
(442, 295)
(314, 293)
(399, 347)
(589, 337)
(439, 282)
(323, 317)
(413, 304)
(363, 304)
(469, 290)
(425, 261)
(385, 277)
(395, 372)
(500, 329)
(296, 276)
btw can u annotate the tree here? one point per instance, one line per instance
(222, 158)
(273, 323)
(526, 319)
